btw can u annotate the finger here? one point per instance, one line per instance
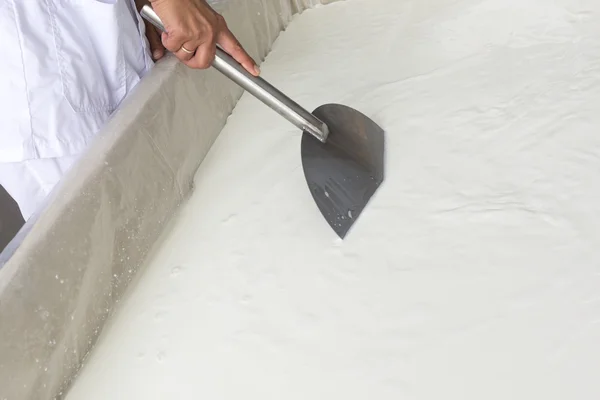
(187, 51)
(156, 47)
(173, 43)
(176, 45)
(232, 46)
(205, 55)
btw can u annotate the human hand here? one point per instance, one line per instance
(193, 30)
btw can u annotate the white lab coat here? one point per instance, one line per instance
(67, 65)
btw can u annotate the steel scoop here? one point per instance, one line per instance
(342, 150)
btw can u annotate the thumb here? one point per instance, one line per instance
(232, 46)
(156, 47)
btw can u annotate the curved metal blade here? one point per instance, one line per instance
(345, 172)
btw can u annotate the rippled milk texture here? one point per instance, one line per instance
(473, 274)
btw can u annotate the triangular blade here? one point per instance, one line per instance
(345, 172)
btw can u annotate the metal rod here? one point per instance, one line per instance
(258, 87)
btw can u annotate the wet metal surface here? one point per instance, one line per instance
(344, 173)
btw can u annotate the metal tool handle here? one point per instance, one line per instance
(258, 87)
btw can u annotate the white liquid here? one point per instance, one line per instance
(473, 274)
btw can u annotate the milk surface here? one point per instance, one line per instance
(474, 273)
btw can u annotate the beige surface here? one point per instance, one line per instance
(64, 273)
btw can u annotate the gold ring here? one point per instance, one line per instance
(186, 50)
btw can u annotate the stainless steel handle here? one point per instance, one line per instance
(258, 87)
